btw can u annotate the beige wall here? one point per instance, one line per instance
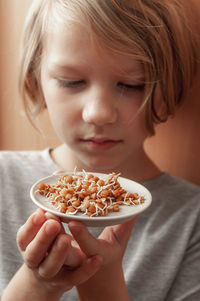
(15, 130)
(176, 147)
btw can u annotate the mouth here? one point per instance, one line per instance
(101, 143)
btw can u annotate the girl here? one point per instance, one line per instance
(107, 72)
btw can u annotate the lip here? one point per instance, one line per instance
(100, 143)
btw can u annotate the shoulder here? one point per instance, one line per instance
(173, 187)
(26, 163)
(19, 170)
(184, 191)
(20, 156)
(175, 209)
(186, 195)
(13, 160)
(175, 197)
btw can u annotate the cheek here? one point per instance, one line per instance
(134, 124)
(61, 115)
(62, 111)
(132, 115)
(62, 119)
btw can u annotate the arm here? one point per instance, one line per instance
(47, 253)
(108, 283)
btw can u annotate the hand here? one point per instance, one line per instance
(108, 283)
(48, 253)
(111, 244)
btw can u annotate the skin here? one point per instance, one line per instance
(47, 277)
(97, 95)
(93, 97)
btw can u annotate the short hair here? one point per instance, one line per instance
(155, 32)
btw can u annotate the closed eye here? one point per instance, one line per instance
(70, 83)
(138, 87)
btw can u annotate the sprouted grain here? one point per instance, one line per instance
(88, 194)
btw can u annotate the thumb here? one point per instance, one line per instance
(87, 242)
(123, 231)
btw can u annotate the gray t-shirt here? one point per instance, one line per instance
(162, 261)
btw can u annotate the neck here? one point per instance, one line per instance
(138, 167)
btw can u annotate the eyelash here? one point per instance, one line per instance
(74, 84)
(139, 87)
(70, 84)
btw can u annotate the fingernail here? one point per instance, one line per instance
(51, 216)
(51, 228)
(38, 218)
(75, 227)
(62, 244)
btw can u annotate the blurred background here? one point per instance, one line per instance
(176, 147)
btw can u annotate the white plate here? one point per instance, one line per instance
(125, 214)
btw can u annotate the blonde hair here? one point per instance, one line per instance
(155, 32)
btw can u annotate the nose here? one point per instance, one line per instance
(99, 109)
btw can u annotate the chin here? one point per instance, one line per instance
(104, 166)
(105, 162)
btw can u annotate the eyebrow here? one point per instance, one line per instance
(59, 67)
(130, 73)
(62, 66)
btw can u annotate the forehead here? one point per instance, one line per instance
(73, 44)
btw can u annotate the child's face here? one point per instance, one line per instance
(93, 97)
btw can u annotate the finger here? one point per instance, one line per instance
(49, 215)
(75, 256)
(88, 243)
(37, 249)
(56, 258)
(28, 231)
(87, 270)
(123, 231)
(52, 216)
(62, 253)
